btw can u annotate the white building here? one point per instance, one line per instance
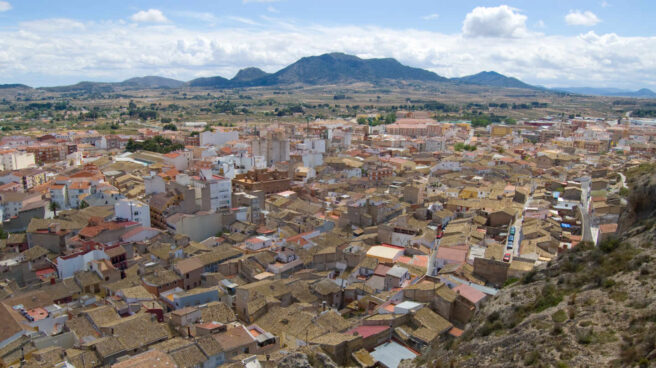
(274, 149)
(446, 166)
(258, 242)
(213, 192)
(11, 203)
(179, 159)
(231, 165)
(312, 159)
(59, 195)
(16, 160)
(195, 124)
(67, 266)
(313, 144)
(218, 138)
(154, 184)
(76, 191)
(435, 144)
(133, 210)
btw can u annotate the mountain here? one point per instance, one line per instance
(323, 69)
(152, 82)
(642, 93)
(214, 82)
(592, 306)
(336, 68)
(88, 87)
(493, 79)
(248, 74)
(342, 68)
(15, 85)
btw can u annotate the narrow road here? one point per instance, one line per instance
(585, 214)
(623, 180)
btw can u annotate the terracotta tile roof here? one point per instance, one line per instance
(366, 331)
(234, 338)
(92, 231)
(469, 293)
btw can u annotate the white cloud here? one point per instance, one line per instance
(604, 4)
(272, 9)
(243, 20)
(540, 24)
(36, 54)
(5, 6)
(430, 16)
(260, 1)
(202, 16)
(579, 18)
(52, 25)
(149, 16)
(500, 21)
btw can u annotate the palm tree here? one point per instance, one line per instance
(54, 206)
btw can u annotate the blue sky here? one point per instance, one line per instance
(601, 43)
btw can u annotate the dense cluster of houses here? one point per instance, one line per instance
(369, 243)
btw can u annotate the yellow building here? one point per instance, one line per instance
(500, 130)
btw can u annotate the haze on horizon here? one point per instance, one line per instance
(592, 43)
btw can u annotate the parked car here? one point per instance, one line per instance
(506, 257)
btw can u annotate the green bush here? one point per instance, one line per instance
(559, 316)
(532, 358)
(609, 245)
(510, 281)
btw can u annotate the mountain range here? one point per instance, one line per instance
(644, 92)
(333, 68)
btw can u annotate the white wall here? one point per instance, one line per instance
(154, 184)
(218, 138)
(68, 267)
(133, 210)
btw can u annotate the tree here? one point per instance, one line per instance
(131, 145)
(54, 206)
(390, 118)
(170, 126)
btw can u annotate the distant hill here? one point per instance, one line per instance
(335, 68)
(214, 82)
(493, 79)
(249, 74)
(342, 68)
(152, 82)
(88, 87)
(332, 68)
(15, 85)
(642, 93)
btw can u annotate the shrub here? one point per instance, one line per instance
(549, 297)
(510, 281)
(493, 316)
(609, 245)
(559, 316)
(532, 358)
(584, 337)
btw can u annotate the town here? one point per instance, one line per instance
(359, 242)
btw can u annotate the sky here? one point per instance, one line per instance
(573, 43)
